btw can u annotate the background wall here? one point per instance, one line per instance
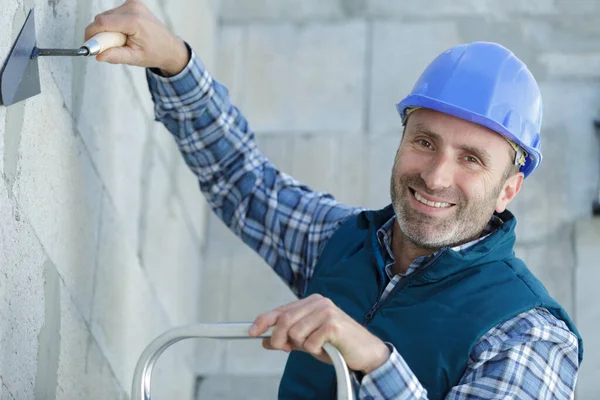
(101, 225)
(318, 81)
(105, 241)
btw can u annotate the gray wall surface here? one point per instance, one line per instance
(101, 224)
(318, 80)
(106, 242)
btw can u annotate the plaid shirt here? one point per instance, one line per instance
(532, 356)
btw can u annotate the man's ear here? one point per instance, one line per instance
(511, 187)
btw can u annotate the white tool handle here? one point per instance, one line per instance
(233, 330)
(104, 41)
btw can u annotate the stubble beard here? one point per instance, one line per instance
(465, 223)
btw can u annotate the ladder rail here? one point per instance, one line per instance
(142, 376)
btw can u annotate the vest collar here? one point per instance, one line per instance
(446, 262)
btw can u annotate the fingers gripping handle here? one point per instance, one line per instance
(104, 41)
(233, 330)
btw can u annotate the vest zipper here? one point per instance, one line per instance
(398, 287)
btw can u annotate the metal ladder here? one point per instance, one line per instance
(235, 330)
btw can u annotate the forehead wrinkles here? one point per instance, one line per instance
(449, 126)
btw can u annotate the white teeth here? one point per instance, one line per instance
(431, 203)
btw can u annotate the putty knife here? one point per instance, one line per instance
(20, 79)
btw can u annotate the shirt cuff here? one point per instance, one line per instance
(182, 91)
(392, 380)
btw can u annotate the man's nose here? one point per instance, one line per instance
(439, 173)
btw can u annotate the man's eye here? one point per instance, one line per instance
(471, 159)
(424, 143)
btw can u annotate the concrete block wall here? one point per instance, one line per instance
(101, 224)
(587, 273)
(318, 81)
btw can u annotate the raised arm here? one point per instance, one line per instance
(285, 222)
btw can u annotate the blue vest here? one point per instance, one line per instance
(434, 317)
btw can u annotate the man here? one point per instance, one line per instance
(425, 298)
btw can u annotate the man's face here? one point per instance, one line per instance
(448, 178)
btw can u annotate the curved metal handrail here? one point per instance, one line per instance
(233, 330)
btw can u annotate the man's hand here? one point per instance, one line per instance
(309, 323)
(149, 42)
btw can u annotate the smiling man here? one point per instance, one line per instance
(446, 186)
(424, 298)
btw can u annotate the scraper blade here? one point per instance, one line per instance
(20, 78)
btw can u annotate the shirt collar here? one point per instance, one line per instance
(384, 236)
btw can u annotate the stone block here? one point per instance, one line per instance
(12, 17)
(230, 60)
(351, 168)
(21, 300)
(2, 135)
(313, 161)
(274, 10)
(400, 53)
(565, 65)
(580, 8)
(280, 150)
(380, 160)
(573, 34)
(228, 387)
(216, 6)
(199, 31)
(552, 261)
(587, 313)
(441, 8)
(195, 208)
(118, 145)
(541, 207)
(510, 33)
(11, 118)
(57, 26)
(562, 189)
(128, 314)
(167, 147)
(304, 78)
(254, 289)
(170, 252)
(59, 191)
(231, 280)
(259, 76)
(5, 394)
(251, 275)
(213, 308)
(247, 357)
(13, 128)
(332, 163)
(83, 370)
(220, 239)
(134, 79)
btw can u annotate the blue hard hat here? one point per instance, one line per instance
(487, 84)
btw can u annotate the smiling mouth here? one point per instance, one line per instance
(435, 204)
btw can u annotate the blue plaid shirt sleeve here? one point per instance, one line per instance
(285, 222)
(532, 356)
